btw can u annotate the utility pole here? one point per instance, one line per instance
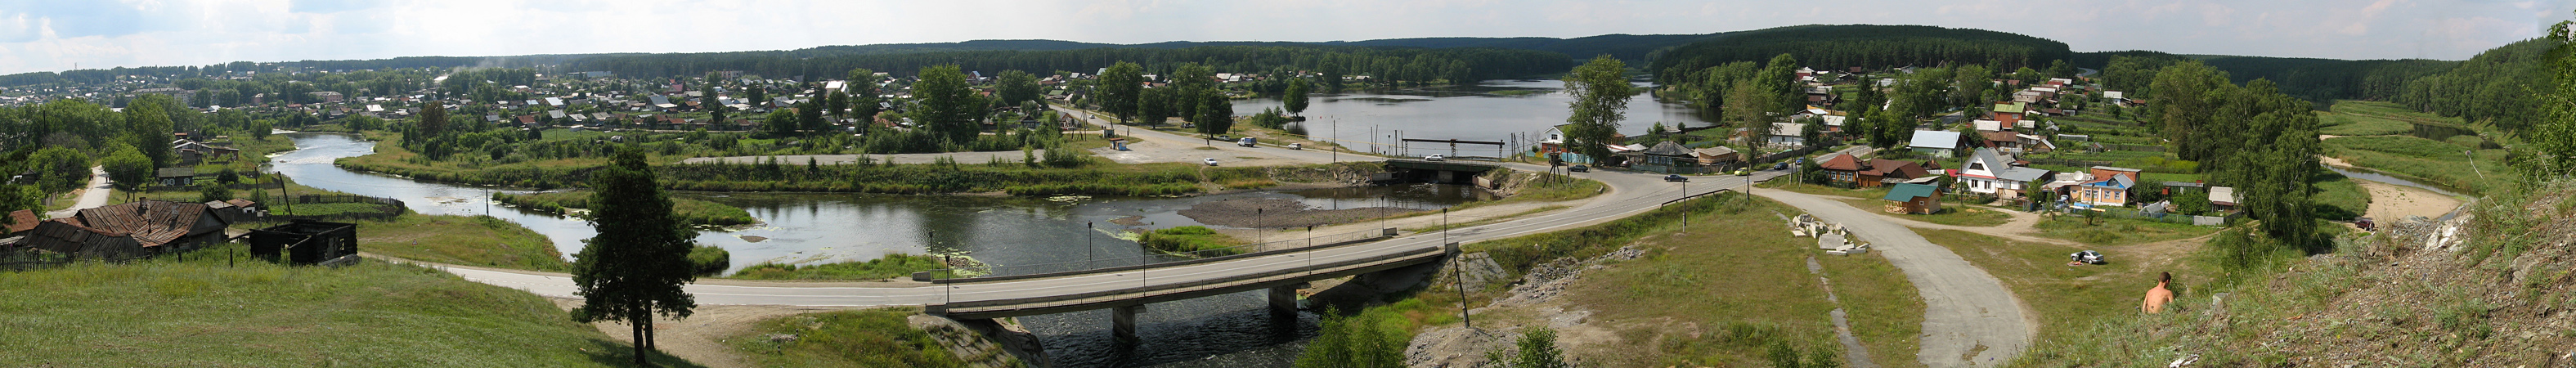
(1087, 253)
(1457, 269)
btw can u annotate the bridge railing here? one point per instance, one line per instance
(1296, 241)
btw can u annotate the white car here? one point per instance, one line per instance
(1211, 161)
(1435, 158)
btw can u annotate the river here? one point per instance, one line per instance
(1232, 330)
(1489, 111)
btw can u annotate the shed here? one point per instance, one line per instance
(21, 221)
(1912, 198)
(176, 176)
(305, 242)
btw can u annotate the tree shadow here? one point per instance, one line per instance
(614, 354)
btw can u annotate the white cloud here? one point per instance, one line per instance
(53, 35)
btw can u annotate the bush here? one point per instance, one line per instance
(710, 260)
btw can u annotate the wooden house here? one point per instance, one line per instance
(1910, 198)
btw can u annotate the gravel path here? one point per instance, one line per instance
(1969, 318)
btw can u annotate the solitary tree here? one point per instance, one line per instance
(635, 268)
(1296, 99)
(128, 167)
(1601, 91)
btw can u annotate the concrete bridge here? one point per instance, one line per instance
(1125, 290)
(1448, 172)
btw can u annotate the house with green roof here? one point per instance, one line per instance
(1910, 198)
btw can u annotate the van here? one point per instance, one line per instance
(1247, 142)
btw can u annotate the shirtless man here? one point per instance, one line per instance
(2157, 297)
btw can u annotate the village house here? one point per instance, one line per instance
(2109, 187)
(1785, 135)
(1935, 143)
(1871, 173)
(1716, 156)
(1665, 157)
(1991, 172)
(130, 230)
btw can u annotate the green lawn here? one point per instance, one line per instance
(211, 311)
(463, 240)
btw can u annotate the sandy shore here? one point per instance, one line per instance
(2390, 202)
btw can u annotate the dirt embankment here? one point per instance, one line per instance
(1279, 213)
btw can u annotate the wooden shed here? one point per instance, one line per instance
(1910, 198)
(305, 242)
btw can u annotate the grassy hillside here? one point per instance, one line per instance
(2499, 297)
(1868, 46)
(206, 313)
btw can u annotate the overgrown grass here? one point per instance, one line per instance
(463, 240)
(2108, 231)
(1736, 274)
(688, 210)
(2425, 160)
(858, 338)
(2069, 299)
(1190, 240)
(1951, 214)
(2351, 124)
(896, 265)
(211, 311)
(1545, 188)
(2338, 197)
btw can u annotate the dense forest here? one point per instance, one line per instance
(1386, 63)
(1867, 46)
(2492, 87)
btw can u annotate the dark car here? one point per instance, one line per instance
(1780, 166)
(1579, 168)
(1676, 178)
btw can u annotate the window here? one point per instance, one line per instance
(1976, 166)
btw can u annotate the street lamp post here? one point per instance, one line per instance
(1458, 265)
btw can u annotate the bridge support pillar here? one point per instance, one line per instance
(1283, 301)
(1123, 322)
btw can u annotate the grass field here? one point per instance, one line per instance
(1196, 241)
(2425, 160)
(2337, 197)
(206, 313)
(889, 267)
(2107, 231)
(1951, 214)
(2070, 300)
(688, 210)
(858, 338)
(472, 241)
(1735, 275)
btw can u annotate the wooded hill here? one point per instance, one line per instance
(1866, 46)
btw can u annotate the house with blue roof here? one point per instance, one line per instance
(2110, 187)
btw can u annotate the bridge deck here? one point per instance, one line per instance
(1181, 290)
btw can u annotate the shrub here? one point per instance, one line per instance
(710, 260)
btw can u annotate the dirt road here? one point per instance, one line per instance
(1969, 318)
(93, 195)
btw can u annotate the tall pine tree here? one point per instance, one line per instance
(635, 267)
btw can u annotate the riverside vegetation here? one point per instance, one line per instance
(689, 211)
(858, 338)
(373, 313)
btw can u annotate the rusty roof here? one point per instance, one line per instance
(22, 220)
(151, 223)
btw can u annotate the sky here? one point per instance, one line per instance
(54, 35)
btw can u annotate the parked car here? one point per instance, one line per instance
(1211, 161)
(1678, 178)
(1248, 142)
(1780, 166)
(1435, 158)
(1579, 168)
(1296, 146)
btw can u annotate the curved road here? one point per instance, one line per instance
(1973, 316)
(1969, 318)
